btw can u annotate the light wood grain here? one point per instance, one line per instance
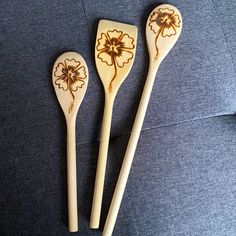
(70, 80)
(160, 39)
(114, 55)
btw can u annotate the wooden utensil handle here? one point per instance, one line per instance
(71, 176)
(129, 155)
(101, 165)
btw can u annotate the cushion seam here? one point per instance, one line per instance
(224, 35)
(51, 151)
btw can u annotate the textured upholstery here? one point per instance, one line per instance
(183, 179)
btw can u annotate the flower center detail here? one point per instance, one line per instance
(166, 19)
(70, 72)
(114, 47)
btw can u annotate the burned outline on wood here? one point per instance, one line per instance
(163, 22)
(115, 48)
(71, 76)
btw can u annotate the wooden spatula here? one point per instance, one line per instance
(114, 55)
(163, 29)
(70, 81)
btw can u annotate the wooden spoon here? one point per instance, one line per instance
(114, 55)
(70, 81)
(163, 28)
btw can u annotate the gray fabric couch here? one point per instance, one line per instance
(183, 179)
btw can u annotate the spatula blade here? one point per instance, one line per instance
(114, 52)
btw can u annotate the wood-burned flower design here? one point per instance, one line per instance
(163, 22)
(115, 49)
(70, 77)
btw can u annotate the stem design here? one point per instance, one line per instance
(114, 77)
(157, 50)
(73, 96)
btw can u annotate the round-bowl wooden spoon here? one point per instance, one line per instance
(163, 29)
(70, 80)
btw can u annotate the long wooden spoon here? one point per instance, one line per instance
(70, 81)
(163, 28)
(114, 55)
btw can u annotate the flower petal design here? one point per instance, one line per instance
(101, 42)
(114, 34)
(81, 72)
(128, 41)
(115, 49)
(154, 27)
(70, 77)
(163, 23)
(154, 16)
(72, 62)
(78, 78)
(176, 20)
(166, 11)
(78, 84)
(125, 57)
(79, 81)
(58, 71)
(62, 83)
(168, 31)
(105, 58)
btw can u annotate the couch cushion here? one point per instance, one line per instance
(182, 183)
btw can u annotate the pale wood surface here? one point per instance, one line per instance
(159, 44)
(114, 55)
(70, 80)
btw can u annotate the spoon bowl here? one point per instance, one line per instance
(70, 81)
(163, 29)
